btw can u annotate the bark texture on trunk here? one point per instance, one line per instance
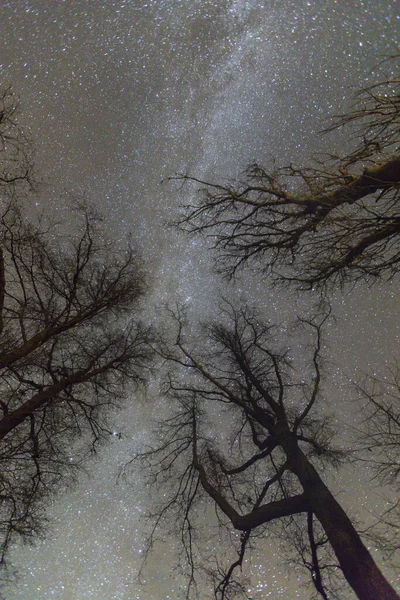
(359, 568)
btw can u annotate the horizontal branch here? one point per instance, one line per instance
(259, 516)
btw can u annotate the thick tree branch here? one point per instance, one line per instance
(333, 223)
(237, 365)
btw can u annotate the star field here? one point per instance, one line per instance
(120, 95)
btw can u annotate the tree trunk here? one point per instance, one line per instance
(357, 564)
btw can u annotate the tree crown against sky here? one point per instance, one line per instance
(248, 434)
(16, 150)
(71, 340)
(334, 223)
(379, 444)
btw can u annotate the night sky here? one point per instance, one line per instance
(120, 95)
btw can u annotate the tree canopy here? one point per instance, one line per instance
(333, 223)
(71, 339)
(249, 433)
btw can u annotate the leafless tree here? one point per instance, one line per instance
(16, 150)
(246, 436)
(380, 430)
(379, 449)
(69, 344)
(334, 223)
(70, 338)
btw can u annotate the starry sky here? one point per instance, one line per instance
(118, 96)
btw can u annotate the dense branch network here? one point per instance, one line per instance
(247, 437)
(71, 339)
(70, 342)
(330, 224)
(16, 154)
(380, 429)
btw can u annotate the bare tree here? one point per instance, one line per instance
(69, 344)
(246, 436)
(336, 222)
(379, 449)
(16, 150)
(380, 430)
(70, 338)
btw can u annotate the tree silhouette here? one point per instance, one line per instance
(69, 345)
(333, 223)
(16, 150)
(246, 436)
(70, 339)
